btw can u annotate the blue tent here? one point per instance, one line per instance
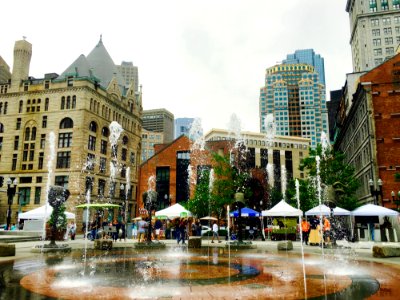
(245, 212)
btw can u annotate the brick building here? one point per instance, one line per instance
(369, 132)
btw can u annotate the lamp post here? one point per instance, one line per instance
(396, 201)
(376, 192)
(11, 190)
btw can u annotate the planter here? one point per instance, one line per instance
(59, 234)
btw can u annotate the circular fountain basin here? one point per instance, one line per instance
(201, 274)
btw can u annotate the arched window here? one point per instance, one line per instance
(27, 133)
(21, 104)
(125, 140)
(66, 123)
(5, 107)
(1, 128)
(105, 132)
(33, 135)
(62, 102)
(93, 126)
(68, 106)
(73, 101)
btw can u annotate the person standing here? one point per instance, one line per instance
(327, 230)
(305, 230)
(142, 224)
(134, 230)
(215, 232)
(181, 230)
(157, 227)
(72, 230)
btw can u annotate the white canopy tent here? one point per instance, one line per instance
(373, 210)
(326, 211)
(282, 209)
(40, 213)
(174, 211)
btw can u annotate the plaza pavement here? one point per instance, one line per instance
(359, 250)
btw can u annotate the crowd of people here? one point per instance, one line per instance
(311, 231)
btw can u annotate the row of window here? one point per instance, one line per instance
(377, 42)
(388, 50)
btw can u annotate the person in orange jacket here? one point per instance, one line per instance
(305, 230)
(327, 230)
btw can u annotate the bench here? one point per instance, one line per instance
(384, 251)
(7, 249)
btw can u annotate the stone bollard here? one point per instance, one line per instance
(194, 242)
(103, 244)
(385, 251)
(285, 245)
(7, 249)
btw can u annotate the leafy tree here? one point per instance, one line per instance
(334, 172)
(199, 204)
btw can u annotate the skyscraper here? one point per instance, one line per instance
(182, 126)
(296, 99)
(130, 73)
(308, 56)
(159, 120)
(374, 31)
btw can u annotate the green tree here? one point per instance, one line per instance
(199, 205)
(335, 173)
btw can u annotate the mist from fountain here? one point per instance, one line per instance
(283, 181)
(52, 154)
(297, 184)
(195, 134)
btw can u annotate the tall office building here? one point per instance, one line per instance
(308, 56)
(294, 97)
(374, 31)
(5, 74)
(159, 120)
(182, 126)
(129, 73)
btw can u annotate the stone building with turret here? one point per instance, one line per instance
(55, 131)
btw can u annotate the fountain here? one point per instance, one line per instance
(134, 273)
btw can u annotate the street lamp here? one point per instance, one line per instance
(375, 192)
(11, 190)
(396, 201)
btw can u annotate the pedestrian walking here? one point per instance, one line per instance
(215, 232)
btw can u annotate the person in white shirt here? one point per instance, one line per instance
(215, 232)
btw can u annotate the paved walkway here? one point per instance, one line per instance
(363, 250)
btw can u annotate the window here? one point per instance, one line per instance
(44, 122)
(101, 187)
(24, 195)
(64, 140)
(389, 50)
(387, 31)
(103, 147)
(389, 41)
(92, 143)
(21, 105)
(42, 141)
(62, 102)
(33, 134)
(93, 126)
(105, 132)
(376, 42)
(132, 158)
(386, 21)
(18, 126)
(124, 152)
(61, 181)
(46, 104)
(14, 162)
(63, 159)
(396, 20)
(103, 165)
(73, 101)
(1, 128)
(27, 133)
(41, 159)
(378, 52)
(16, 142)
(90, 161)
(66, 123)
(374, 22)
(376, 32)
(38, 192)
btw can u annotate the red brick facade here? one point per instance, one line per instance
(385, 93)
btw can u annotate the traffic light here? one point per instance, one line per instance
(1, 181)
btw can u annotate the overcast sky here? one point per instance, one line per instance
(202, 59)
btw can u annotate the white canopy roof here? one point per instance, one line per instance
(173, 211)
(373, 210)
(326, 211)
(282, 209)
(40, 212)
